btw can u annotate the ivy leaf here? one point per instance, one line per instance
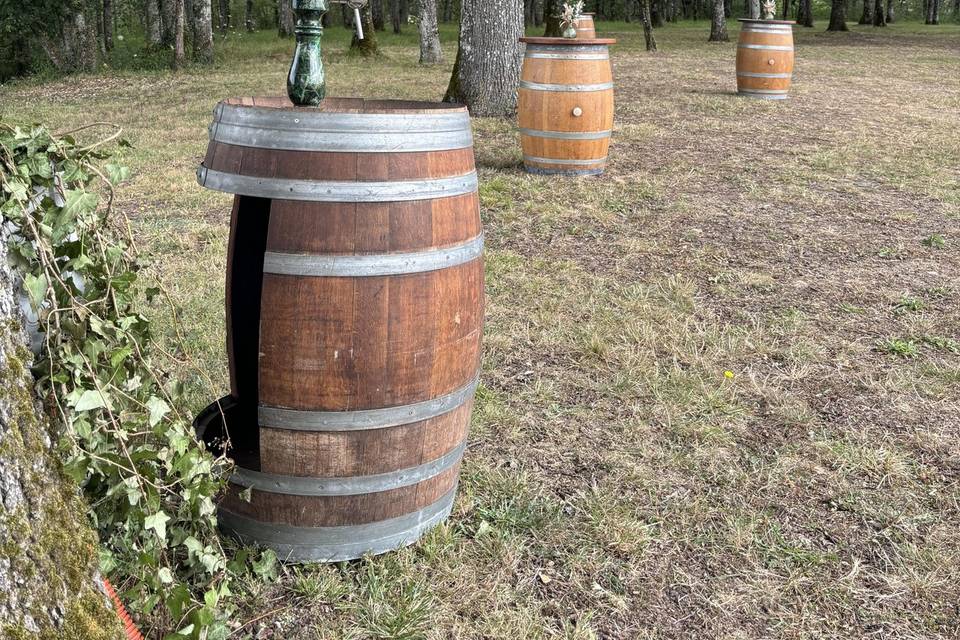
(77, 203)
(89, 400)
(158, 522)
(158, 409)
(266, 566)
(36, 289)
(116, 173)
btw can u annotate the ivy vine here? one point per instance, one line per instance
(149, 483)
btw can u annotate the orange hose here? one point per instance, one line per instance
(128, 626)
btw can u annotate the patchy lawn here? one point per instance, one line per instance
(721, 389)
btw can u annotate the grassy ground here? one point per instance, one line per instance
(721, 389)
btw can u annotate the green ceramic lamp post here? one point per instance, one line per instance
(305, 83)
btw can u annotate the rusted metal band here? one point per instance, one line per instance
(336, 191)
(333, 544)
(302, 420)
(566, 56)
(346, 486)
(571, 48)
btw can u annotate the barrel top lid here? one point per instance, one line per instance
(351, 105)
(571, 41)
(758, 21)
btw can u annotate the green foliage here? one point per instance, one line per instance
(149, 483)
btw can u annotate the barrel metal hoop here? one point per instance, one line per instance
(296, 130)
(333, 544)
(565, 88)
(373, 264)
(765, 47)
(763, 91)
(566, 135)
(763, 96)
(346, 486)
(335, 191)
(576, 48)
(773, 28)
(567, 56)
(302, 420)
(563, 172)
(569, 161)
(752, 74)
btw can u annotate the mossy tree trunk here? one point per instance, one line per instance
(367, 46)
(486, 73)
(551, 21)
(49, 589)
(718, 25)
(838, 16)
(430, 51)
(648, 36)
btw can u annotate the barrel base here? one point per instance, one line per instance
(763, 96)
(336, 544)
(295, 544)
(540, 171)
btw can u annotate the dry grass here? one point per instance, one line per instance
(618, 483)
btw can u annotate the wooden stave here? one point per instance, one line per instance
(452, 424)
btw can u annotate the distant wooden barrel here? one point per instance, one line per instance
(565, 109)
(369, 318)
(585, 27)
(765, 58)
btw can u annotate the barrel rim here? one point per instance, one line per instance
(761, 21)
(416, 107)
(567, 41)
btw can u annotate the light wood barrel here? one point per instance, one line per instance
(565, 108)
(585, 27)
(765, 58)
(369, 318)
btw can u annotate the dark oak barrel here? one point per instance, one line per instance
(585, 27)
(765, 58)
(565, 105)
(369, 311)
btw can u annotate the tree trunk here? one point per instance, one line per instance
(718, 25)
(489, 54)
(376, 13)
(368, 46)
(447, 10)
(75, 47)
(168, 18)
(753, 9)
(248, 20)
(107, 18)
(48, 572)
(430, 52)
(867, 16)
(286, 21)
(838, 16)
(933, 12)
(656, 15)
(786, 9)
(179, 53)
(395, 15)
(647, 27)
(201, 26)
(890, 15)
(224, 15)
(805, 13)
(152, 26)
(551, 21)
(879, 14)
